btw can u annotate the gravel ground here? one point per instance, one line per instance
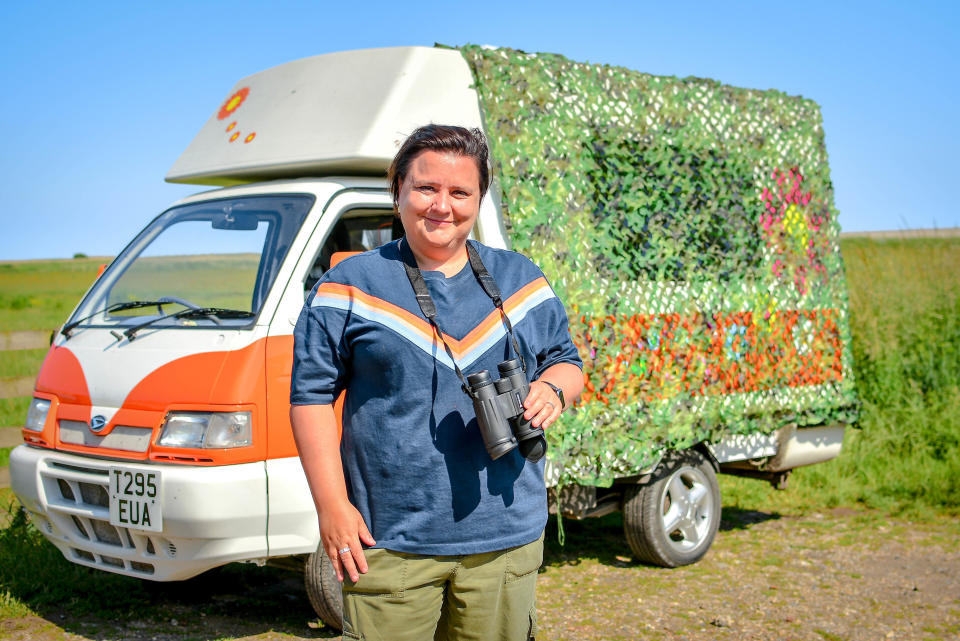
(840, 574)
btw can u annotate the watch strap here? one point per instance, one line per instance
(557, 391)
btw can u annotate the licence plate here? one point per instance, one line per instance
(135, 499)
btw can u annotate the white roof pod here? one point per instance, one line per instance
(336, 113)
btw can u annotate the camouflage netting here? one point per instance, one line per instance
(689, 228)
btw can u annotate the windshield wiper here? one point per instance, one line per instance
(213, 313)
(116, 307)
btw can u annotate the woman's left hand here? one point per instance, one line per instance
(542, 405)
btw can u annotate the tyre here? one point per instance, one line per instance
(673, 518)
(323, 589)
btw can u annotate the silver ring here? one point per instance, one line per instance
(343, 551)
(551, 405)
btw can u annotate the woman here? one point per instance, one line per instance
(455, 537)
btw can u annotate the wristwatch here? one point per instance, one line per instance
(558, 391)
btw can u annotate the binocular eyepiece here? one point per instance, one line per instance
(499, 408)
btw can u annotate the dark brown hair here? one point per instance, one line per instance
(458, 140)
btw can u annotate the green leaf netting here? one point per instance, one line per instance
(689, 228)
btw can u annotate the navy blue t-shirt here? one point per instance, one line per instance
(414, 461)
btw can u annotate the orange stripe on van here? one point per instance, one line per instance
(279, 366)
(255, 378)
(62, 375)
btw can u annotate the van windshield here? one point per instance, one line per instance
(202, 265)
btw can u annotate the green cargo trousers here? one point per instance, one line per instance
(475, 597)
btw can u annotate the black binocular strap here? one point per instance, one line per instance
(490, 287)
(429, 309)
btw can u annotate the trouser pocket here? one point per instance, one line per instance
(523, 562)
(386, 575)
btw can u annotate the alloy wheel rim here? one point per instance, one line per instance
(686, 508)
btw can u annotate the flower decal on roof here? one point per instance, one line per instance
(233, 103)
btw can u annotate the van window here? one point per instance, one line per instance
(221, 254)
(357, 230)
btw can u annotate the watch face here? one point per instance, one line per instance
(559, 393)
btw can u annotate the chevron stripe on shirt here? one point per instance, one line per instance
(418, 331)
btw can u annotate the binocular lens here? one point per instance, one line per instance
(510, 367)
(479, 379)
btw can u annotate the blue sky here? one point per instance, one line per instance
(100, 98)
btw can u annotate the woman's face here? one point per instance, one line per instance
(439, 202)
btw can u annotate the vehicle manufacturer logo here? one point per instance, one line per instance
(97, 423)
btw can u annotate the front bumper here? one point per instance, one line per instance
(211, 515)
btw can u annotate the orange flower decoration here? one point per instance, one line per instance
(233, 103)
(235, 135)
(250, 137)
(232, 125)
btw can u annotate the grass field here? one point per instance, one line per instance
(39, 294)
(36, 295)
(13, 411)
(220, 281)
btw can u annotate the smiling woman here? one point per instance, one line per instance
(414, 500)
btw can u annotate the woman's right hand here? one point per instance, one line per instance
(341, 527)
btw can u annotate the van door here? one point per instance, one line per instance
(354, 220)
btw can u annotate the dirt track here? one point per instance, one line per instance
(833, 575)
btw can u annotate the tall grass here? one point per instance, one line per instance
(905, 322)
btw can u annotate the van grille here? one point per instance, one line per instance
(121, 437)
(79, 507)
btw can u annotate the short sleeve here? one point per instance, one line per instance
(557, 345)
(320, 354)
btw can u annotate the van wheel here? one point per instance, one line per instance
(323, 589)
(673, 518)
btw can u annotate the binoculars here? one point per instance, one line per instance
(499, 408)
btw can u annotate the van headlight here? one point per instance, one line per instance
(207, 430)
(37, 414)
